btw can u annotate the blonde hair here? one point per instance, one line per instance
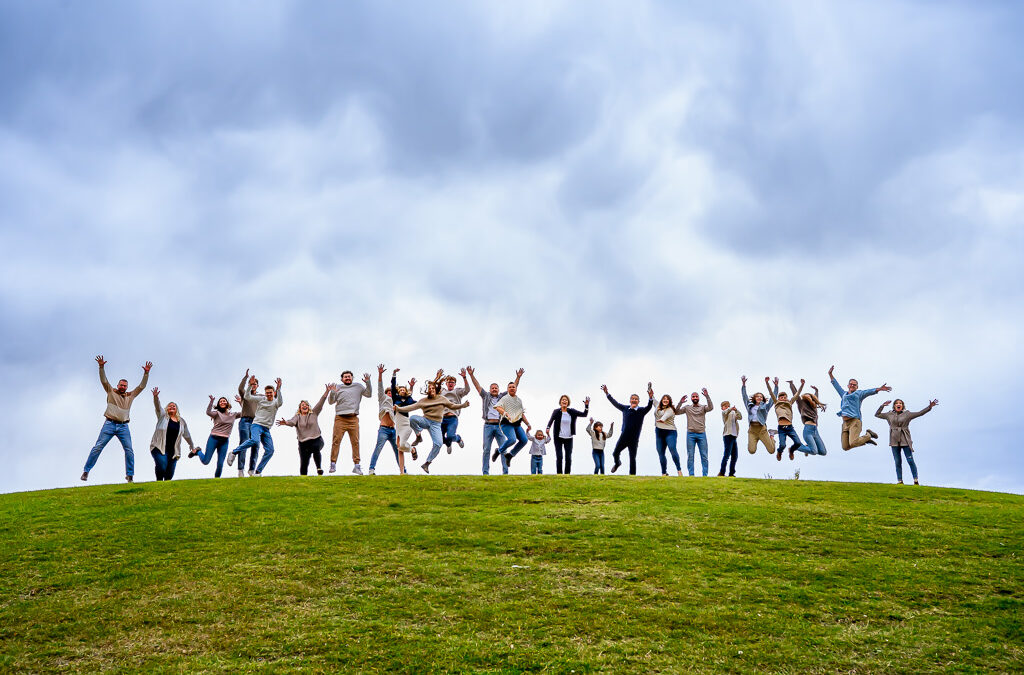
(298, 411)
(168, 406)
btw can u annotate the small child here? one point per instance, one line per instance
(730, 430)
(537, 443)
(598, 438)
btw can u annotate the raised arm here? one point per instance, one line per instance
(453, 406)
(288, 423)
(103, 374)
(367, 386)
(412, 406)
(835, 385)
(773, 394)
(472, 375)
(145, 379)
(710, 406)
(320, 404)
(590, 427)
(209, 408)
(241, 385)
(156, 403)
(881, 415)
(650, 404)
(743, 392)
(519, 376)
(927, 408)
(611, 431)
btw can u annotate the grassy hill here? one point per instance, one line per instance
(513, 574)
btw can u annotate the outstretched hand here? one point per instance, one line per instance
(704, 391)
(650, 390)
(775, 381)
(366, 378)
(886, 403)
(148, 365)
(586, 401)
(277, 381)
(519, 373)
(743, 379)
(604, 388)
(470, 369)
(885, 387)
(830, 369)
(280, 422)
(211, 398)
(156, 392)
(380, 369)
(100, 360)
(932, 403)
(238, 399)
(462, 372)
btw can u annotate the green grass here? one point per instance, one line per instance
(514, 574)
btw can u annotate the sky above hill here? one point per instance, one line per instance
(598, 192)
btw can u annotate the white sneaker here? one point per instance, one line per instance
(252, 473)
(357, 471)
(373, 472)
(231, 458)
(334, 467)
(241, 473)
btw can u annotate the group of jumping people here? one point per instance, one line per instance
(506, 429)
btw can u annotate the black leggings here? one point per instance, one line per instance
(307, 449)
(560, 444)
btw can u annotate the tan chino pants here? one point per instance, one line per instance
(341, 426)
(759, 432)
(851, 437)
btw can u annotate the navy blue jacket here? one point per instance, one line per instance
(399, 400)
(632, 420)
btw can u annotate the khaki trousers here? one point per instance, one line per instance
(759, 432)
(851, 437)
(342, 425)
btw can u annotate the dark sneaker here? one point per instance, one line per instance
(616, 465)
(130, 479)
(85, 475)
(494, 455)
(872, 434)
(461, 444)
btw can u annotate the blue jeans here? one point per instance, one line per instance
(244, 434)
(515, 435)
(257, 434)
(164, 465)
(536, 464)
(815, 446)
(896, 449)
(492, 433)
(384, 436)
(666, 438)
(787, 431)
(107, 432)
(420, 423)
(218, 443)
(730, 455)
(699, 439)
(598, 462)
(450, 430)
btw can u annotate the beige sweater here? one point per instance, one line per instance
(119, 405)
(695, 416)
(433, 408)
(731, 422)
(160, 433)
(307, 426)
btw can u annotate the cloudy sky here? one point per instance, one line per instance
(599, 192)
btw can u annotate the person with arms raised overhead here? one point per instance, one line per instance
(730, 430)
(696, 436)
(849, 410)
(492, 419)
(119, 404)
(809, 405)
(450, 421)
(513, 416)
(266, 411)
(346, 397)
(666, 435)
(563, 419)
(598, 439)
(433, 406)
(223, 421)
(251, 384)
(899, 433)
(784, 411)
(166, 443)
(757, 420)
(632, 425)
(386, 432)
(307, 428)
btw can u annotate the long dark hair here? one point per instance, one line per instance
(661, 401)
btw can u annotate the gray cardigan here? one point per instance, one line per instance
(160, 434)
(899, 425)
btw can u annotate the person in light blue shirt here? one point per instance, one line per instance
(849, 410)
(757, 419)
